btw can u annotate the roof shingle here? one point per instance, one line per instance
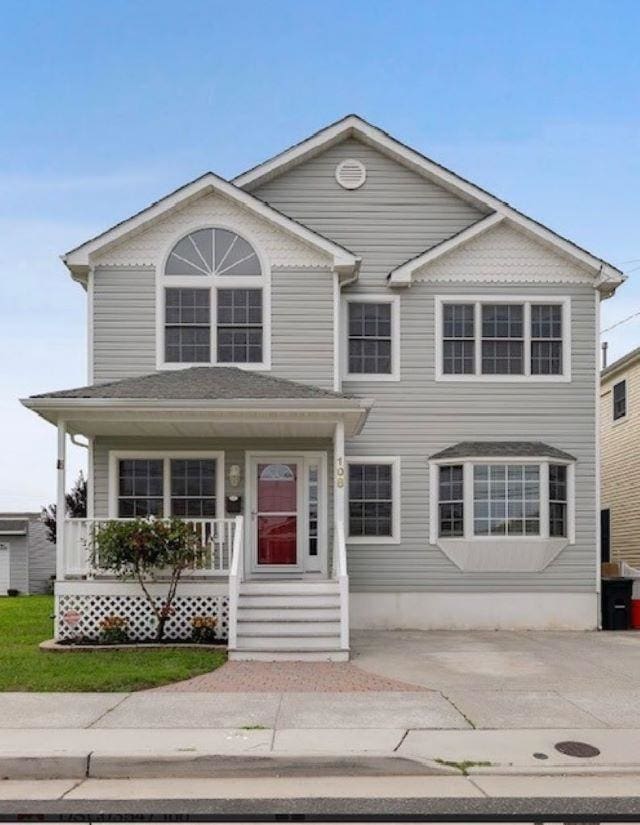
(502, 449)
(198, 383)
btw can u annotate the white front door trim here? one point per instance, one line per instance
(304, 459)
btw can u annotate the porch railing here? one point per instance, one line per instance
(216, 535)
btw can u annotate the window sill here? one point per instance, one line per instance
(372, 540)
(502, 555)
(508, 379)
(180, 365)
(370, 376)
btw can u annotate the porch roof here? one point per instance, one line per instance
(202, 401)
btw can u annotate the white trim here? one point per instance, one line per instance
(368, 298)
(526, 301)
(608, 277)
(468, 500)
(304, 458)
(396, 508)
(598, 457)
(337, 317)
(213, 283)
(166, 455)
(403, 275)
(90, 324)
(78, 260)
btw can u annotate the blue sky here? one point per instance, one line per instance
(108, 105)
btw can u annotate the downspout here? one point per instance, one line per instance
(337, 314)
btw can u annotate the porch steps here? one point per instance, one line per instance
(289, 621)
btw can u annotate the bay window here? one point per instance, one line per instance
(513, 498)
(502, 338)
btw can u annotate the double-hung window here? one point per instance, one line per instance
(184, 485)
(619, 400)
(502, 339)
(215, 302)
(372, 338)
(373, 500)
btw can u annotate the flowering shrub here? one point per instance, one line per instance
(140, 548)
(203, 629)
(113, 630)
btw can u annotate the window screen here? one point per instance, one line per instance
(240, 326)
(187, 325)
(193, 487)
(140, 487)
(370, 500)
(502, 339)
(546, 339)
(458, 339)
(369, 338)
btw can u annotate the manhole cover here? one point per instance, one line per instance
(579, 749)
(540, 756)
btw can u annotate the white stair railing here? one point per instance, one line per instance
(342, 575)
(236, 573)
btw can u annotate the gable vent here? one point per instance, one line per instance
(351, 174)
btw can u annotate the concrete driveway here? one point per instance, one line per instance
(504, 679)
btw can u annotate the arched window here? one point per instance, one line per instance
(213, 300)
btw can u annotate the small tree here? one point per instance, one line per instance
(142, 548)
(76, 506)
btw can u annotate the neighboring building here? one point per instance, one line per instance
(620, 459)
(27, 557)
(390, 374)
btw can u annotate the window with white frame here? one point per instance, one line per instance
(372, 338)
(500, 339)
(373, 500)
(213, 294)
(184, 486)
(481, 499)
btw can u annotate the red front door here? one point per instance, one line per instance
(277, 512)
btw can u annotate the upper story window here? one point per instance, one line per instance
(619, 400)
(214, 299)
(502, 339)
(372, 338)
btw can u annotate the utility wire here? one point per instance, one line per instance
(623, 321)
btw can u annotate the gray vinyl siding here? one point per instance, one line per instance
(124, 322)
(124, 331)
(302, 326)
(42, 558)
(418, 417)
(18, 569)
(395, 216)
(234, 449)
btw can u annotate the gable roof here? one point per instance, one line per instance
(77, 260)
(624, 361)
(607, 276)
(198, 383)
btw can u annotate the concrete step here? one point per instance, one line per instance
(288, 628)
(294, 655)
(286, 601)
(290, 642)
(288, 614)
(298, 588)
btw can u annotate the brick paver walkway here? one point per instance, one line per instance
(286, 677)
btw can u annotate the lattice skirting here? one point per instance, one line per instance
(80, 615)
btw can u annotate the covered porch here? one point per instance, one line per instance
(259, 476)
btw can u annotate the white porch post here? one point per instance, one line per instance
(60, 499)
(339, 481)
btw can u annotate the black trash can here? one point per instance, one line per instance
(616, 603)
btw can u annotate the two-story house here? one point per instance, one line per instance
(371, 385)
(620, 459)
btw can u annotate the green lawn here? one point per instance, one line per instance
(26, 621)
